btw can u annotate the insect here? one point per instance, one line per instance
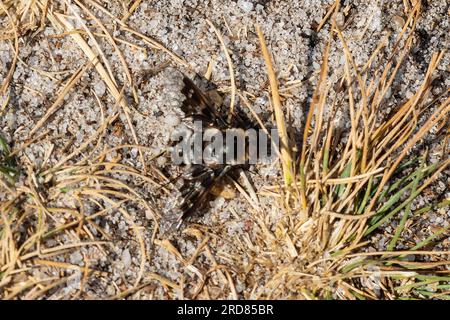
(202, 104)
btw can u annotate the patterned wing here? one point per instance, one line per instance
(199, 104)
(198, 181)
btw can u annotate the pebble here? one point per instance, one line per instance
(99, 88)
(110, 290)
(126, 258)
(172, 120)
(246, 6)
(340, 19)
(76, 257)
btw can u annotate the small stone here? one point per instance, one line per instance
(218, 202)
(246, 6)
(110, 290)
(148, 214)
(259, 7)
(153, 24)
(100, 88)
(126, 258)
(172, 120)
(161, 161)
(76, 257)
(340, 19)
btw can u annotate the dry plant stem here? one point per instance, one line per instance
(70, 84)
(116, 48)
(155, 44)
(327, 16)
(62, 21)
(95, 42)
(258, 119)
(10, 74)
(133, 7)
(108, 121)
(286, 157)
(440, 113)
(319, 99)
(230, 68)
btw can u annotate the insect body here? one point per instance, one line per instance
(203, 106)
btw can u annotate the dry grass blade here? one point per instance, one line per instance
(8, 77)
(69, 85)
(286, 157)
(230, 69)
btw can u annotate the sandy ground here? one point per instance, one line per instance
(227, 233)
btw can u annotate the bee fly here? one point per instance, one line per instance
(202, 104)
